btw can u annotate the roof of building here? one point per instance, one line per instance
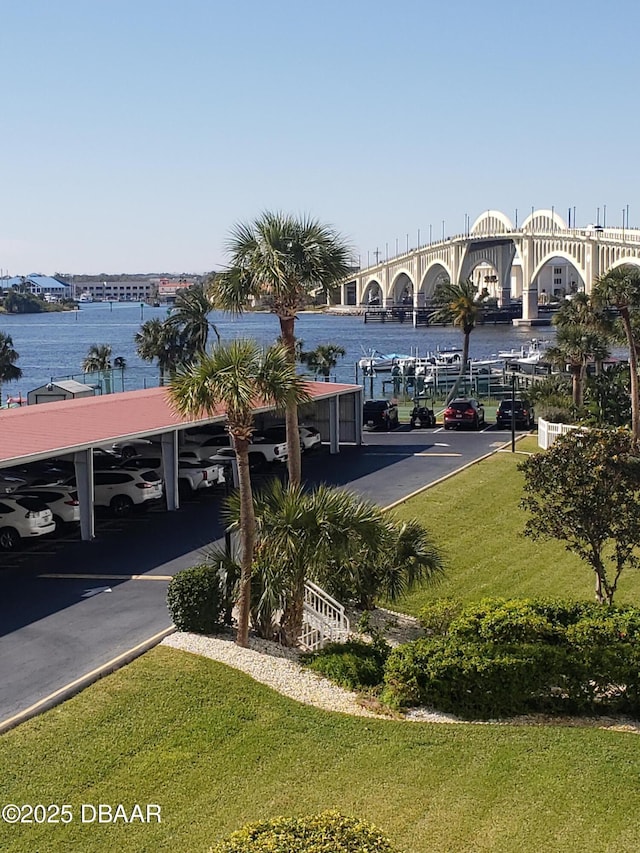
(46, 282)
(37, 432)
(69, 385)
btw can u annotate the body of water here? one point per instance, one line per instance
(54, 345)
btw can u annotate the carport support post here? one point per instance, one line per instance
(170, 468)
(334, 425)
(83, 463)
(358, 404)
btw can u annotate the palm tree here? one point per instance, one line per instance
(458, 304)
(620, 288)
(591, 320)
(9, 372)
(237, 377)
(323, 358)
(158, 340)
(281, 258)
(98, 360)
(190, 316)
(344, 542)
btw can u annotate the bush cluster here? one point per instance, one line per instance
(195, 600)
(328, 831)
(502, 657)
(354, 664)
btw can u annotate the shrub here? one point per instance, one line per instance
(328, 831)
(502, 658)
(353, 664)
(195, 600)
(438, 615)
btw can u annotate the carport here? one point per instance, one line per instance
(34, 433)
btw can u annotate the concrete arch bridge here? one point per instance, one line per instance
(538, 261)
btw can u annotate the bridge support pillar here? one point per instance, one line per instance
(530, 303)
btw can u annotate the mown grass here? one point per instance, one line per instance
(475, 517)
(216, 750)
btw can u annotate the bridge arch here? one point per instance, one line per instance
(565, 257)
(372, 293)
(402, 288)
(492, 222)
(544, 221)
(622, 262)
(435, 272)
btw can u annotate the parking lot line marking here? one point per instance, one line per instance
(426, 453)
(69, 575)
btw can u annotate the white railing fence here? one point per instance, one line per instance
(548, 432)
(323, 619)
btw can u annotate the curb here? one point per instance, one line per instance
(69, 690)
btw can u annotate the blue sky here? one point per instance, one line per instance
(135, 133)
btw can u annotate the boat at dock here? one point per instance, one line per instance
(378, 362)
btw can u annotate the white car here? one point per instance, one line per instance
(121, 489)
(23, 517)
(309, 436)
(62, 501)
(194, 475)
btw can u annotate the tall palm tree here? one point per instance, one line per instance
(459, 304)
(620, 288)
(190, 316)
(281, 258)
(323, 359)
(157, 340)
(591, 320)
(9, 371)
(238, 376)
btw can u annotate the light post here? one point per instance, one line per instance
(513, 408)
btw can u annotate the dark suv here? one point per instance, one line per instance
(380, 414)
(464, 411)
(525, 416)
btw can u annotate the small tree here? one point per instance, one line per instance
(585, 491)
(323, 359)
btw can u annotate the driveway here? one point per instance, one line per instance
(69, 607)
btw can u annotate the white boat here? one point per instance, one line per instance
(85, 297)
(377, 362)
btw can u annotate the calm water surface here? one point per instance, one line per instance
(54, 345)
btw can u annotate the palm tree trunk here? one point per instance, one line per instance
(248, 534)
(294, 465)
(463, 370)
(633, 370)
(291, 625)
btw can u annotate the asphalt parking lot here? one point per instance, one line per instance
(69, 607)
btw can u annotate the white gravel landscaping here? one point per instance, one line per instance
(279, 668)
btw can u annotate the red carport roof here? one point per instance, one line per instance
(50, 429)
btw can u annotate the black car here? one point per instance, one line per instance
(525, 415)
(380, 414)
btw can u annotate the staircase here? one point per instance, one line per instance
(323, 619)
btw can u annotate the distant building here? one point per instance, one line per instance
(50, 288)
(169, 288)
(137, 290)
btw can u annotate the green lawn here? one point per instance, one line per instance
(216, 750)
(476, 519)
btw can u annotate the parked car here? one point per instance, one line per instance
(62, 501)
(23, 517)
(45, 473)
(380, 414)
(131, 447)
(194, 475)
(270, 450)
(226, 455)
(464, 411)
(524, 413)
(309, 436)
(121, 489)
(9, 483)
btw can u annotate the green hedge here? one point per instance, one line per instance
(501, 657)
(195, 600)
(328, 832)
(354, 664)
